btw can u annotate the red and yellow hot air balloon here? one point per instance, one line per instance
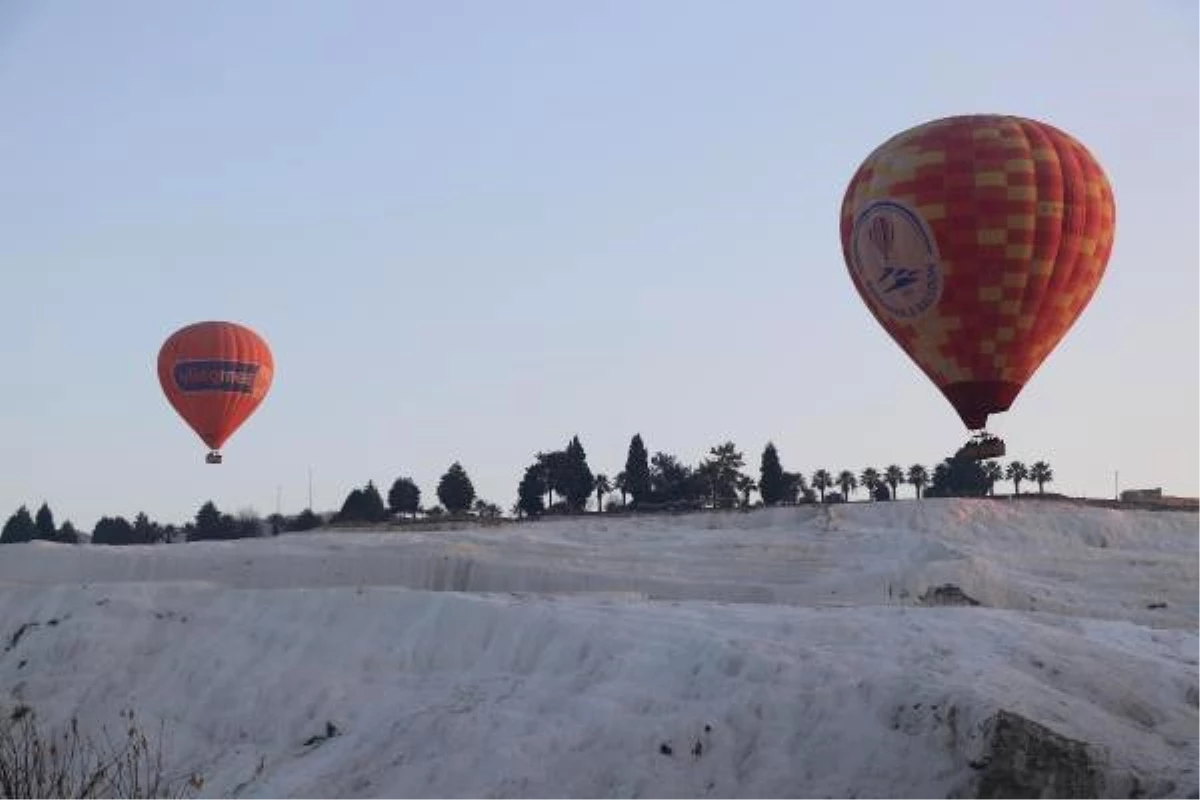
(215, 374)
(976, 242)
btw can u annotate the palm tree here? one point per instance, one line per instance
(870, 479)
(918, 477)
(554, 467)
(621, 484)
(993, 472)
(745, 484)
(603, 487)
(847, 482)
(1041, 472)
(1016, 472)
(822, 480)
(893, 476)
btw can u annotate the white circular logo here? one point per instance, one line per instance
(895, 258)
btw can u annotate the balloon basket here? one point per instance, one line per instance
(982, 447)
(213, 458)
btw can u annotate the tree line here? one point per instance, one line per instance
(562, 482)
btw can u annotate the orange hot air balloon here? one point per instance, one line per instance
(977, 241)
(215, 374)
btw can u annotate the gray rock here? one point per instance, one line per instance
(946, 595)
(1024, 759)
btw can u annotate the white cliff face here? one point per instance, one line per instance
(789, 652)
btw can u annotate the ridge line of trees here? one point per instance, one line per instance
(562, 482)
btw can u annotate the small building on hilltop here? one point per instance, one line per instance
(1155, 497)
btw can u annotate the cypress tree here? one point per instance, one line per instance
(580, 481)
(19, 527)
(771, 483)
(637, 470)
(44, 522)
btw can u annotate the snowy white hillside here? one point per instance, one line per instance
(810, 651)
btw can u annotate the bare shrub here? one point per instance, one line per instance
(38, 762)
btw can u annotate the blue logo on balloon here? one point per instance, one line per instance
(896, 259)
(215, 376)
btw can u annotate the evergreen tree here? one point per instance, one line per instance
(248, 525)
(44, 522)
(306, 520)
(363, 505)
(941, 478)
(579, 481)
(530, 491)
(112, 531)
(455, 489)
(670, 480)
(210, 524)
(637, 470)
(771, 482)
(353, 507)
(958, 476)
(701, 485)
(208, 521)
(229, 527)
(373, 508)
(795, 489)
(555, 473)
(144, 531)
(405, 497)
(20, 527)
(67, 533)
(723, 467)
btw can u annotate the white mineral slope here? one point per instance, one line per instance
(772, 653)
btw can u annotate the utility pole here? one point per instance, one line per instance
(1116, 491)
(278, 496)
(310, 508)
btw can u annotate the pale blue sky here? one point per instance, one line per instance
(471, 230)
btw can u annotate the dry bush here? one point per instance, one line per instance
(38, 762)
